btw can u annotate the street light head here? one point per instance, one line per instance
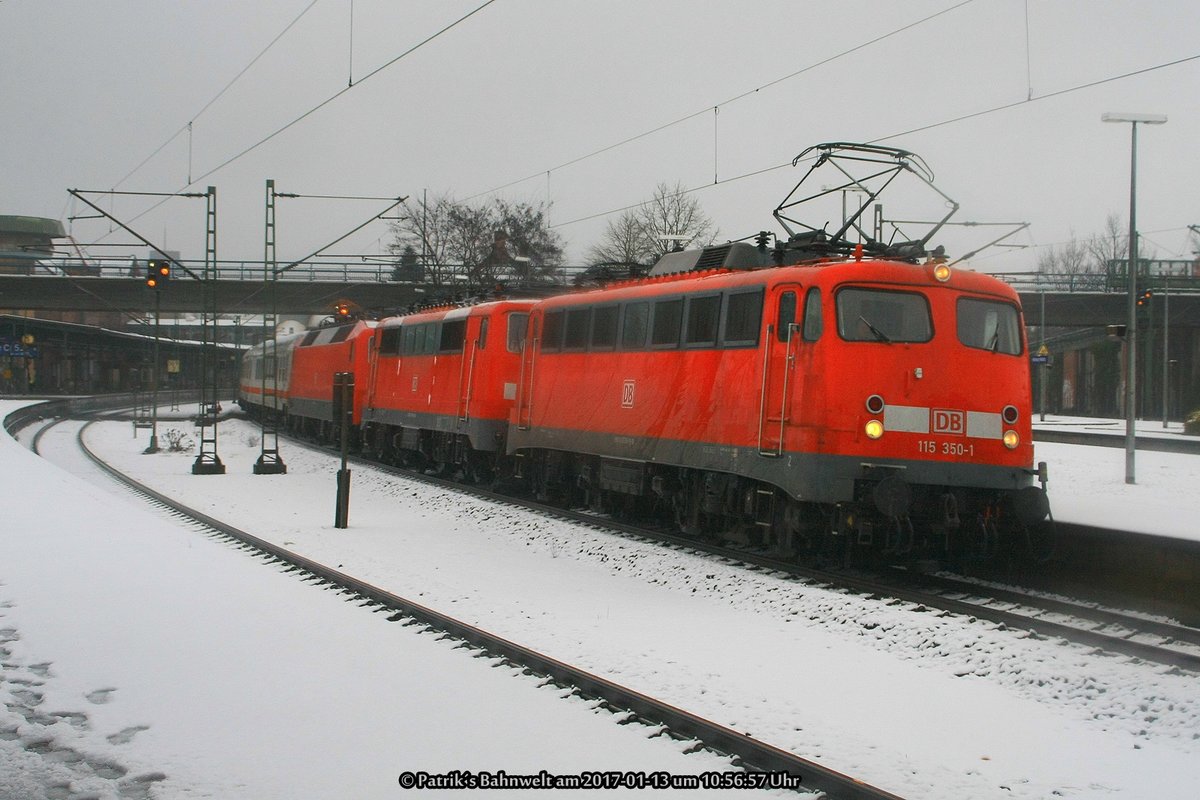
(1123, 116)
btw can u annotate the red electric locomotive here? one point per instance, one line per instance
(442, 383)
(806, 397)
(315, 359)
(876, 398)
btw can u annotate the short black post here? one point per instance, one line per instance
(343, 411)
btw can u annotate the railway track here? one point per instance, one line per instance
(751, 754)
(1109, 630)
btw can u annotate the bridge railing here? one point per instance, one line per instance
(1175, 275)
(134, 268)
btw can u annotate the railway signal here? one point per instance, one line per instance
(158, 273)
(1144, 298)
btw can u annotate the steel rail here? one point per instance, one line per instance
(894, 585)
(748, 752)
(1162, 444)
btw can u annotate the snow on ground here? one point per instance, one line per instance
(924, 706)
(142, 659)
(1087, 484)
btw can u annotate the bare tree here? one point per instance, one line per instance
(670, 219)
(621, 244)
(1070, 266)
(474, 245)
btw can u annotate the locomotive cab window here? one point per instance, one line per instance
(882, 315)
(481, 342)
(516, 332)
(341, 334)
(989, 325)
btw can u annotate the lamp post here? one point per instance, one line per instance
(1131, 289)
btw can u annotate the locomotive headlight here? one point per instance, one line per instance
(1011, 439)
(874, 429)
(942, 272)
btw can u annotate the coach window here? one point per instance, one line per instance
(517, 323)
(635, 325)
(668, 315)
(989, 325)
(881, 315)
(604, 327)
(814, 321)
(743, 315)
(552, 333)
(787, 316)
(578, 321)
(703, 314)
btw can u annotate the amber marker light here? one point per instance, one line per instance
(942, 273)
(874, 429)
(1011, 439)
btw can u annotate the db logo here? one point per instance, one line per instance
(627, 395)
(951, 422)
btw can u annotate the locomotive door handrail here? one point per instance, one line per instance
(779, 359)
(464, 413)
(373, 361)
(524, 388)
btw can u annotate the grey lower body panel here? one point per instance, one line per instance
(486, 435)
(813, 477)
(313, 409)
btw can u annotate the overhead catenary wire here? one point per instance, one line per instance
(187, 127)
(908, 132)
(714, 107)
(194, 180)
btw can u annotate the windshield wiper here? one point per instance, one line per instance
(994, 345)
(880, 335)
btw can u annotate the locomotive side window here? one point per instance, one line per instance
(989, 325)
(483, 329)
(814, 321)
(881, 315)
(578, 321)
(389, 341)
(743, 315)
(421, 340)
(787, 316)
(703, 314)
(635, 326)
(668, 316)
(553, 331)
(604, 327)
(517, 323)
(454, 333)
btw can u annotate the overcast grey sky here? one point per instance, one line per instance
(523, 87)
